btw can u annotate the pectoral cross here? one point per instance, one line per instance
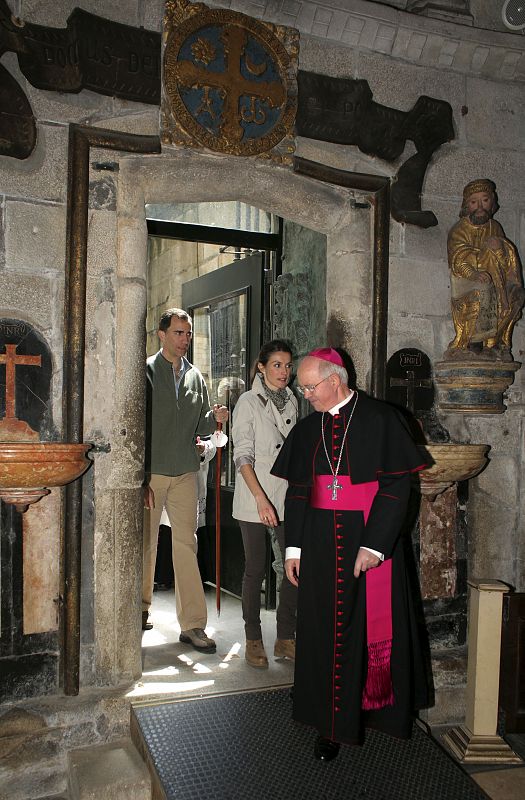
(334, 486)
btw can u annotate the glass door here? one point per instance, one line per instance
(226, 306)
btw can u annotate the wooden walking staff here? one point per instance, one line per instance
(218, 466)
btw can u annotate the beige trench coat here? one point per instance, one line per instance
(258, 431)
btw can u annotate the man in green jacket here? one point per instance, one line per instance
(178, 413)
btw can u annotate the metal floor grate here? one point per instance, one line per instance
(247, 747)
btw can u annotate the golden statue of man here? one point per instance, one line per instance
(485, 275)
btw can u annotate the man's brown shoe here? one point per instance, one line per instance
(146, 624)
(284, 648)
(198, 639)
(255, 655)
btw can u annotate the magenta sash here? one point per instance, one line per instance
(378, 690)
(351, 497)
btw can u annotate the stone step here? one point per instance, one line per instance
(36, 734)
(449, 673)
(113, 771)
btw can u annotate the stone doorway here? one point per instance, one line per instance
(184, 177)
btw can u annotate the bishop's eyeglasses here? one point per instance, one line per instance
(312, 387)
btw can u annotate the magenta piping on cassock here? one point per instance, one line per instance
(378, 691)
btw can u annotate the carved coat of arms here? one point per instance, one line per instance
(229, 81)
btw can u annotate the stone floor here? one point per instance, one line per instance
(171, 668)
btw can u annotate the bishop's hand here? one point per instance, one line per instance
(365, 560)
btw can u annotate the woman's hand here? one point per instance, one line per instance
(266, 512)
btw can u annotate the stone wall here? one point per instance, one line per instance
(402, 56)
(481, 74)
(32, 275)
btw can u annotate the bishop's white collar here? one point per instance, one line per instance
(335, 410)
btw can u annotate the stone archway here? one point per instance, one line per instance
(177, 177)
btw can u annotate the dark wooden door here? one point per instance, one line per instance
(512, 672)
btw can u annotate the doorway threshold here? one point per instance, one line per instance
(171, 669)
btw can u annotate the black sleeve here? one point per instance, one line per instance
(388, 513)
(295, 508)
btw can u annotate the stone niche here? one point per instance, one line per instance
(30, 542)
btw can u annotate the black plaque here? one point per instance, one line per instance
(17, 123)
(409, 380)
(342, 110)
(91, 52)
(32, 382)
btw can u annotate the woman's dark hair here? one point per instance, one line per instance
(275, 346)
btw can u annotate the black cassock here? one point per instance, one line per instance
(331, 610)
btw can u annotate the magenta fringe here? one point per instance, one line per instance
(378, 690)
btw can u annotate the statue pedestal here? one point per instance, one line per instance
(477, 741)
(473, 386)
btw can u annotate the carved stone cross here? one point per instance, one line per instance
(11, 361)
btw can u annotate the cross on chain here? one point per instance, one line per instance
(11, 361)
(410, 383)
(232, 83)
(334, 486)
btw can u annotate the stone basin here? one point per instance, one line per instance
(453, 463)
(28, 470)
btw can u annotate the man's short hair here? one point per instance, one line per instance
(326, 368)
(165, 320)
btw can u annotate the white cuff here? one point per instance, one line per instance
(381, 556)
(292, 552)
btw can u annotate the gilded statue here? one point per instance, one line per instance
(485, 275)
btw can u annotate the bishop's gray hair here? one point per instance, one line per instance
(326, 368)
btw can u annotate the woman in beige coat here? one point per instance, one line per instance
(262, 419)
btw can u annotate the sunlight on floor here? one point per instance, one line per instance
(141, 689)
(171, 667)
(164, 671)
(153, 638)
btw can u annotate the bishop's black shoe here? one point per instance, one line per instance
(325, 749)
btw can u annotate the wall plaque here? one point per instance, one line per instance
(25, 382)
(229, 82)
(408, 380)
(91, 52)
(342, 110)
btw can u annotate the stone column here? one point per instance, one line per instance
(477, 741)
